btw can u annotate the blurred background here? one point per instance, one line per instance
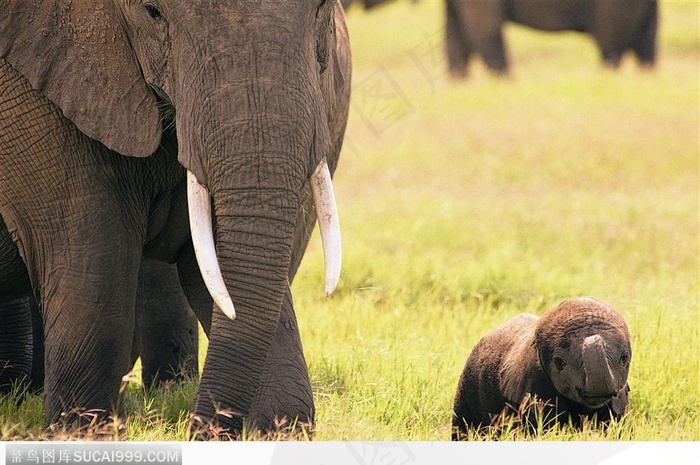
(465, 202)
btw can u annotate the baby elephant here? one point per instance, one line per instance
(574, 360)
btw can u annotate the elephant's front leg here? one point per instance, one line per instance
(457, 43)
(88, 296)
(284, 398)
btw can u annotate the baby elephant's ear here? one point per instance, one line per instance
(76, 54)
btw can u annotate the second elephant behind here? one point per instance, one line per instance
(475, 27)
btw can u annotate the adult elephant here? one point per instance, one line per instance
(474, 26)
(91, 179)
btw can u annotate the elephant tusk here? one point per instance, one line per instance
(199, 203)
(327, 213)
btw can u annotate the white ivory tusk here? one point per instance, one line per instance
(199, 203)
(329, 224)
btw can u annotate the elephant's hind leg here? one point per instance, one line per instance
(17, 308)
(15, 344)
(167, 333)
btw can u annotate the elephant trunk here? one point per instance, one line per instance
(253, 247)
(599, 379)
(199, 203)
(251, 169)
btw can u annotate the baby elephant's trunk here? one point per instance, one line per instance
(599, 381)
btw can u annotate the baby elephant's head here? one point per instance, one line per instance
(584, 347)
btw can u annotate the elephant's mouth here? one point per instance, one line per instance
(594, 401)
(199, 202)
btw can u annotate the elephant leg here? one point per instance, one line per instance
(21, 331)
(284, 398)
(491, 47)
(611, 58)
(644, 46)
(166, 335)
(15, 343)
(457, 43)
(483, 23)
(21, 344)
(88, 305)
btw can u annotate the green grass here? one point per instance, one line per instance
(465, 203)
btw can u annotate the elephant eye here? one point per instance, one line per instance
(153, 11)
(559, 363)
(624, 358)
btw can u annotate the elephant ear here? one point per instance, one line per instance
(76, 54)
(324, 30)
(335, 75)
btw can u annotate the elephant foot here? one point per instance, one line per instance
(212, 430)
(498, 71)
(647, 66)
(281, 405)
(612, 62)
(457, 74)
(276, 430)
(90, 425)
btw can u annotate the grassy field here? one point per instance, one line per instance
(465, 203)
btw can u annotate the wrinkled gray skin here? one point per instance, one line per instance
(474, 26)
(575, 359)
(21, 336)
(90, 181)
(166, 330)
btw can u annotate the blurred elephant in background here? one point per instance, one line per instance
(475, 26)
(368, 4)
(146, 128)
